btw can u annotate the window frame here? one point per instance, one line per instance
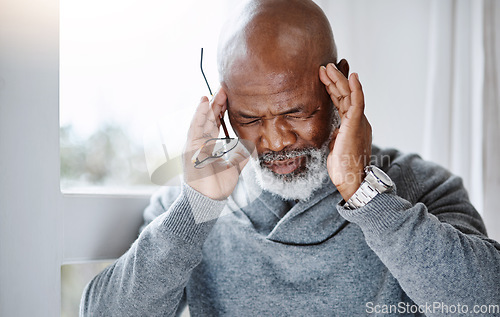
(40, 227)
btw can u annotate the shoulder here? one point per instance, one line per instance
(421, 181)
(414, 177)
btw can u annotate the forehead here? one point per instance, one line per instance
(271, 104)
(273, 91)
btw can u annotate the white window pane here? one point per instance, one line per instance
(129, 73)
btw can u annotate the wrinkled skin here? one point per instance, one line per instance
(280, 97)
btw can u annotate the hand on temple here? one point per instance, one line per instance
(350, 150)
(216, 179)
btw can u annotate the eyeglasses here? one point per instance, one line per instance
(214, 148)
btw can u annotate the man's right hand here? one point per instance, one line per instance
(217, 179)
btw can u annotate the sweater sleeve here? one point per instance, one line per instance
(149, 279)
(432, 241)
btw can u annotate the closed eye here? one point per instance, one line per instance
(301, 115)
(293, 114)
(249, 122)
(297, 116)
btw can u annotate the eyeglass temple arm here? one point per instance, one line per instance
(226, 133)
(203, 73)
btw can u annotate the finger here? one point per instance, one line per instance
(200, 114)
(219, 102)
(357, 96)
(330, 85)
(203, 125)
(323, 76)
(338, 88)
(331, 89)
(335, 96)
(211, 125)
(338, 79)
(218, 106)
(206, 123)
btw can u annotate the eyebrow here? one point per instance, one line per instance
(299, 108)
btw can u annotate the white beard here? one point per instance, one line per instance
(300, 186)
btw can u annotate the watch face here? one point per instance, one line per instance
(382, 176)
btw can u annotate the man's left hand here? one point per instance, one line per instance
(350, 150)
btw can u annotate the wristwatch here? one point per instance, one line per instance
(375, 182)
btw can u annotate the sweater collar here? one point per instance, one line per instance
(307, 222)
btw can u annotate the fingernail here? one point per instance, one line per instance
(332, 65)
(323, 67)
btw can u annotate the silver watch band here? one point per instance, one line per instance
(375, 182)
(362, 196)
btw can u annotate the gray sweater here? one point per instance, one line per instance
(404, 253)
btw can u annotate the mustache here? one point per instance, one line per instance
(283, 155)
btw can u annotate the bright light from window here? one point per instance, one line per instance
(129, 69)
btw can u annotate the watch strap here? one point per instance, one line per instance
(362, 196)
(369, 188)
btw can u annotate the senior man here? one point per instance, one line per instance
(321, 222)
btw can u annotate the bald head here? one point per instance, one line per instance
(269, 57)
(283, 38)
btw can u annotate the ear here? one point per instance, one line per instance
(343, 66)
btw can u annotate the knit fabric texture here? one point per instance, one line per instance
(258, 255)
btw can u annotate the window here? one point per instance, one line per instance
(129, 83)
(74, 277)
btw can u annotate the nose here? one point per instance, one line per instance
(276, 134)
